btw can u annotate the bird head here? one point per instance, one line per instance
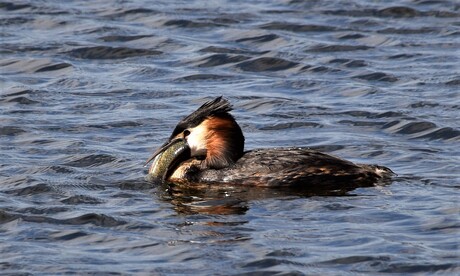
(212, 135)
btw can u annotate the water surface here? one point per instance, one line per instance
(90, 88)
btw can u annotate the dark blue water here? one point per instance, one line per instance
(90, 88)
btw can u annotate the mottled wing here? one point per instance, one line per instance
(292, 167)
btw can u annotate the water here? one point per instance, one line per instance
(90, 88)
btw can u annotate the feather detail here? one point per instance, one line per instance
(224, 142)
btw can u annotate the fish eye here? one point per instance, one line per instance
(186, 133)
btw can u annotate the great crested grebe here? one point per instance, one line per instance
(207, 147)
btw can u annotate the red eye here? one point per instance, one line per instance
(186, 133)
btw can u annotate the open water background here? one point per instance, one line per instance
(90, 88)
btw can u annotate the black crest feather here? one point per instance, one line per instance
(217, 107)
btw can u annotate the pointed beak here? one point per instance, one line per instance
(167, 157)
(160, 150)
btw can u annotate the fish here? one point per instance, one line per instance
(165, 161)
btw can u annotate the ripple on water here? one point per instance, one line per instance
(266, 64)
(81, 199)
(89, 218)
(122, 38)
(14, 21)
(15, 6)
(221, 59)
(31, 190)
(377, 76)
(107, 52)
(205, 77)
(11, 131)
(350, 63)
(19, 100)
(238, 51)
(283, 26)
(338, 48)
(454, 82)
(422, 130)
(15, 66)
(395, 11)
(259, 39)
(95, 219)
(69, 235)
(183, 23)
(293, 125)
(92, 160)
(319, 69)
(134, 11)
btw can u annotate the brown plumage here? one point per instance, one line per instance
(217, 156)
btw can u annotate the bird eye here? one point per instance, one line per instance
(186, 133)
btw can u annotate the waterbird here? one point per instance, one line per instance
(207, 147)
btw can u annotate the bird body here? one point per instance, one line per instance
(279, 167)
(215, 155)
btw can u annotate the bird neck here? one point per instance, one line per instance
(224, 142)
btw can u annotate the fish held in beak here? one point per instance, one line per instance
(167, 157)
